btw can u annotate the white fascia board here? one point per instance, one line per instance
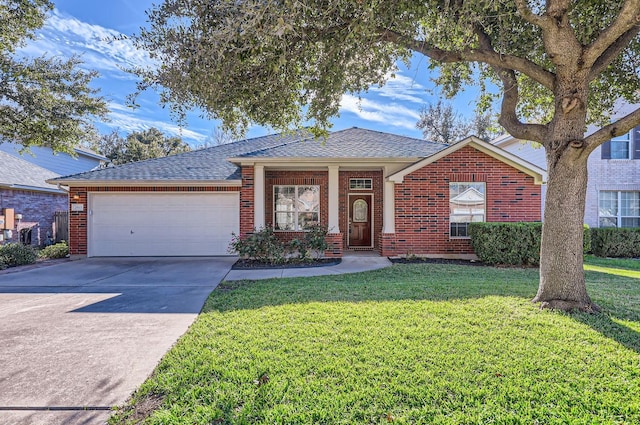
(34, 188)
(539, 175)
(158, 183)
(93, 155)
(502, 140)
(320, 162)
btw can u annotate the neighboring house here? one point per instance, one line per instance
(374, 191)
(613, 187)
(24, 189)
(60, 163)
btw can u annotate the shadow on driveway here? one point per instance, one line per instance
(131, 285)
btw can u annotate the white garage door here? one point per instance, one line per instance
(150, 224)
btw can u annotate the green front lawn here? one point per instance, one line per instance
(411, 344)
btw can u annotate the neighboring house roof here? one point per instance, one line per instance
(515, 161)
(16, 173)
(60, 163)
(532, 152)
(216, 164)
(91, 153)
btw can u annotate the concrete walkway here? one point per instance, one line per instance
(350, 264)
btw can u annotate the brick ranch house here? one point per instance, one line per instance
(374, 191)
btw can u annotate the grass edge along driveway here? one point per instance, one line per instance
(410, 344)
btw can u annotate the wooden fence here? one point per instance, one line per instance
(61, 226)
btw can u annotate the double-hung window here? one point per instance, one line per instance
(466, 205)
(620, 147)
(626, 146)
(619, 209)
(296, 208)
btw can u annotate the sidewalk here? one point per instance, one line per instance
(349, 264)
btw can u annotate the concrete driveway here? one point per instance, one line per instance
(77, 338)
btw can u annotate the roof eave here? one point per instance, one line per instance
(146, 182)
(305, 161)
(91, 155)
(32, 188)
(539, 175)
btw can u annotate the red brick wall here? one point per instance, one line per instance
(78, 219)
(422, 202)
(35, 207)
(335, 247)
(246, 201)
(304, 178)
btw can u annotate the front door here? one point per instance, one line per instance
(360, 220)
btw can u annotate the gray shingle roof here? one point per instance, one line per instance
(208, 164)
(20, 174)
(352, 143)
(212, 164)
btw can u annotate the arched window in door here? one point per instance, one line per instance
(360, 211)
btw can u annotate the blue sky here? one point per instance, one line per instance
(83, 27)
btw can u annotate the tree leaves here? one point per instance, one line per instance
(440, 123)
(287, 63)
(138, 146)
(43, 101)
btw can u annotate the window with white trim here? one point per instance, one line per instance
(296, 208)
(466, 205)
(360, 184)
(618, 209)
(626, 146)
(620, 147)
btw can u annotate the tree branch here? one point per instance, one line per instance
(528, 15)
(618, 128)
(508, 116)
(488, 56)
(628, 18)
(612, 52)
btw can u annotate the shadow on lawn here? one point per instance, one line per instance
(611, 329)
(431, 282)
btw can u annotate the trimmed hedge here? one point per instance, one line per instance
(16, 254)
(59, 250)
(586, 242)
(515, 244)
(615, 242)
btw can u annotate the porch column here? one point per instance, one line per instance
(258, 196)
(334, 221)
(389, 214)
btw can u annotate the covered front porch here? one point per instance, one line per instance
(355, 203)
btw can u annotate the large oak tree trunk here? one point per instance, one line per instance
(562, 282)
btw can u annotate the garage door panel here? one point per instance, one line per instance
(162, 224)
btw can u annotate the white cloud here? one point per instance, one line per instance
(107, 51)
(402, 88)
(390, 114)
(100, 48)
(119, 119)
